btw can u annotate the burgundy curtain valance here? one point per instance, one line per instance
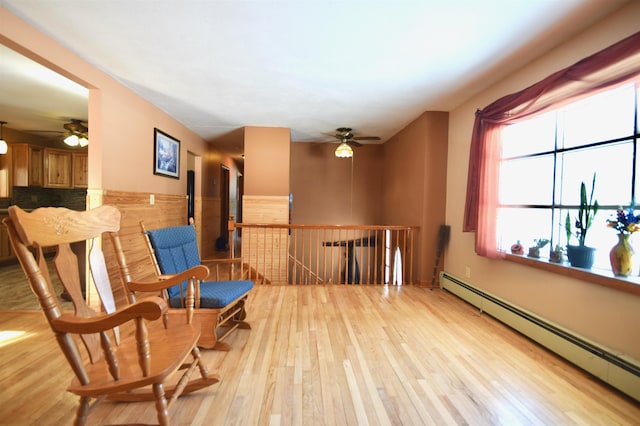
(614, 65)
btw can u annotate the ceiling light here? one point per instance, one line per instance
(3, 144)
(344, 151)
(77, 135)
(72, 140)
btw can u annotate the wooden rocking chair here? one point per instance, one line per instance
(132, 364)
(219, 300)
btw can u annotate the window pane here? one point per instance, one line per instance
(605, 116)
(527, 181)
(527, 175)
(530, 136)
(524, 225)
(612, 165)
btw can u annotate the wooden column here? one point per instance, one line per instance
(266, 197)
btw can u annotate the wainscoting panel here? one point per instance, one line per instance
(156, 210)
(271, 261)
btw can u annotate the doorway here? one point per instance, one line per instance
(224, 204)
(191, 193)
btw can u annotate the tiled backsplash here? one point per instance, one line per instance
(33, 197)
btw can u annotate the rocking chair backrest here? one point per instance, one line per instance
(60, 227)
(176, 250)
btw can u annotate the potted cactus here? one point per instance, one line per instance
(581, 255)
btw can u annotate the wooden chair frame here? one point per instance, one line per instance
(216, 323)
(133, 365)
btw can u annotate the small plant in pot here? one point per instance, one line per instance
(557, 254)
(539, 243)
(581, 255)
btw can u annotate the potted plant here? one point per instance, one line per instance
(581, 256)
(557, 254)
(539, 243)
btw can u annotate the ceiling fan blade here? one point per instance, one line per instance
(366, 138)
(333, 135)
(354, 143)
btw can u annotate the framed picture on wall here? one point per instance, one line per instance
(166, 155)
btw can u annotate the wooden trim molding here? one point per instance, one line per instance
(600, 277)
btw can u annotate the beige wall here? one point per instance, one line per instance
(601, 314)
(266, 164)
(122, 123)
(402, 182)
(324, 191)
(414, 188)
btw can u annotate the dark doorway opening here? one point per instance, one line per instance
(191, 182)
(224, 204)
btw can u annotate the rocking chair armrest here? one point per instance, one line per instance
(199, 272)
(150, 308)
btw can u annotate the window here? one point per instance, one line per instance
(545, 158)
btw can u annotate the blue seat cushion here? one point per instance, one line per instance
(215, 294)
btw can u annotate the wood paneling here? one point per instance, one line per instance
(167, 210)
(272, 262)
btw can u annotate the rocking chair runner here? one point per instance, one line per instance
(117, 368)
(219, 304)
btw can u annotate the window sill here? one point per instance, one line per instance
(630, 284)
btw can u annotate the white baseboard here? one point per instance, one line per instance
(621, 373)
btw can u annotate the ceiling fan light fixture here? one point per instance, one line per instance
(77, 135)
(3, 144)
(344, 151)
(72, 140)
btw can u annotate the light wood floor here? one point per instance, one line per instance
(339, 355)
(15, 293)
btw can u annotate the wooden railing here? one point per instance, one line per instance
(326, 254)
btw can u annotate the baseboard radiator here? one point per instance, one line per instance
(622, 374)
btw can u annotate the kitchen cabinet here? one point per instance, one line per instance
(27, 165)
(58, 172)
(5, 175)
(5, 245)
(80, 170)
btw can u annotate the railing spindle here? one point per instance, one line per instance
(324, 254)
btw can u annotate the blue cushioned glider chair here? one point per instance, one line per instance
(219, 300)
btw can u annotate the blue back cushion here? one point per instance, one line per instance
(176, 250)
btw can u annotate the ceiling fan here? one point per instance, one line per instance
(348, 140)
(76, 132)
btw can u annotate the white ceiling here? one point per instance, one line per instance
(309, 65)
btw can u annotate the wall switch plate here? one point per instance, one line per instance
(152, 199)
